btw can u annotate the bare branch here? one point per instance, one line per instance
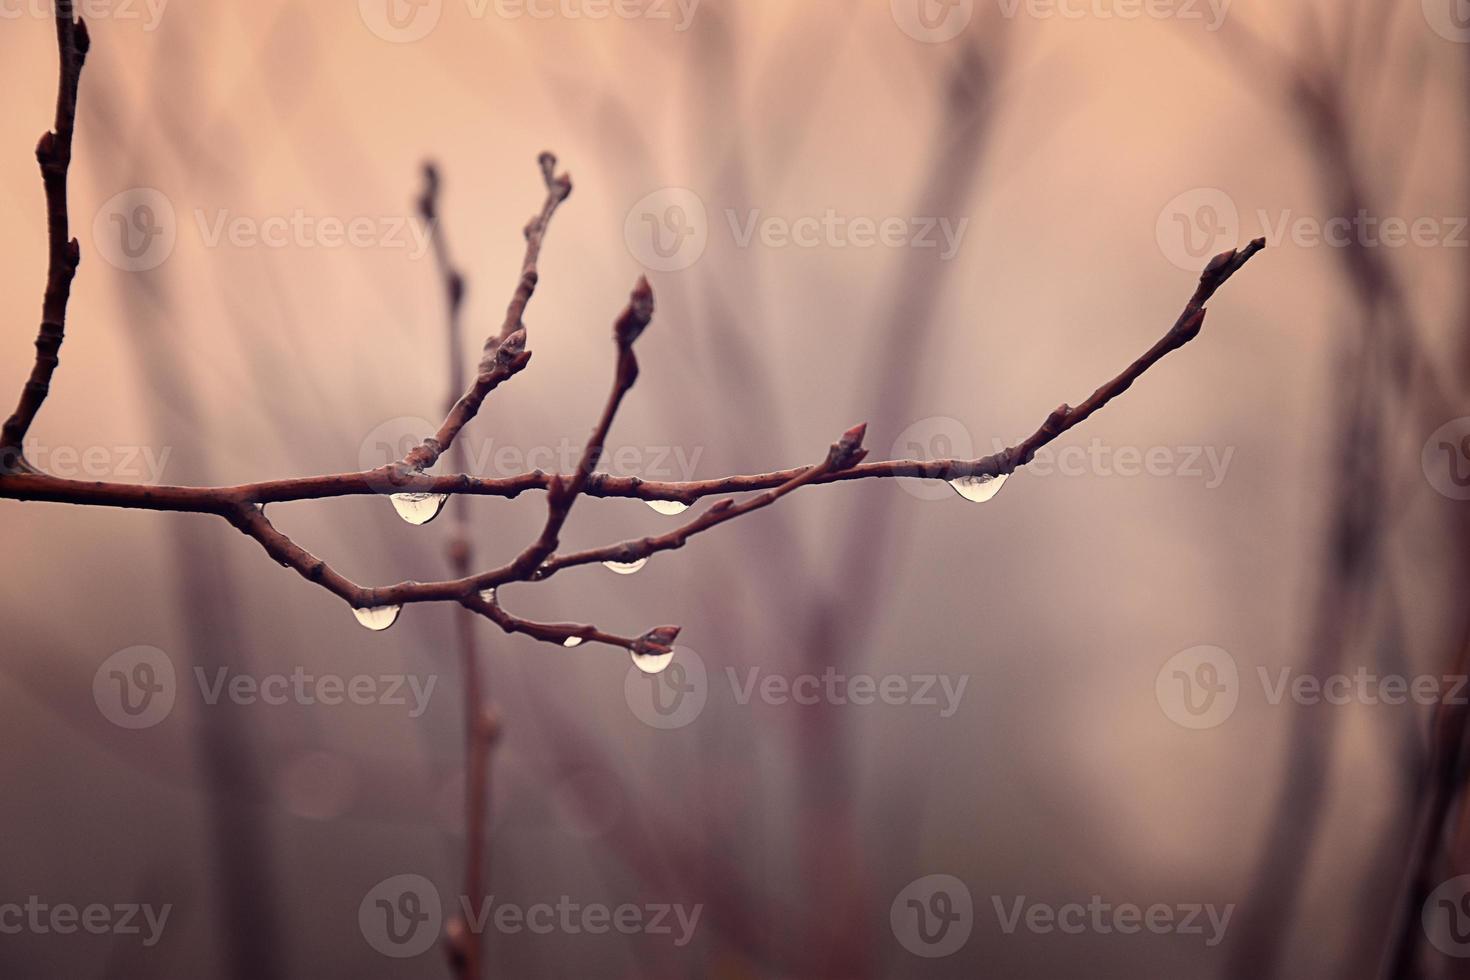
(505, 354)
(53, 152)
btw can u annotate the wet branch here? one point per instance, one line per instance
(505, 355)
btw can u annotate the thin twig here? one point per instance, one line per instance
(53, 152)
(466, 946)
(243, 506)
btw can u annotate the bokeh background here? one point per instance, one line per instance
(1298, 514)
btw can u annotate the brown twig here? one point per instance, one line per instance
(243, 506)
(53, 152)
(505, 355)
(466, 946)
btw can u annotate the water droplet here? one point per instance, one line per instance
(625, 567)
(979, 489)
(668, 508)
(379, 617)
(572, 641)
(418, 508)
(652, 663)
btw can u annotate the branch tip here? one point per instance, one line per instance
(637, 316)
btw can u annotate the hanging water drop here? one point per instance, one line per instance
(668, 508)
(979, 489)
(418, 508)
(625, 567)
(652, 663)
(378, 618)
(572, 641)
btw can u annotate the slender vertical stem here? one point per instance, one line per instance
(481, 726)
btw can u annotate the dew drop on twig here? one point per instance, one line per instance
(625, 567)
(572, 641)
(652, 663)
(668, 508)
(378, 618)
(978, 489)
(418, 508)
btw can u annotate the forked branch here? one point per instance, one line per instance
(505, 355)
